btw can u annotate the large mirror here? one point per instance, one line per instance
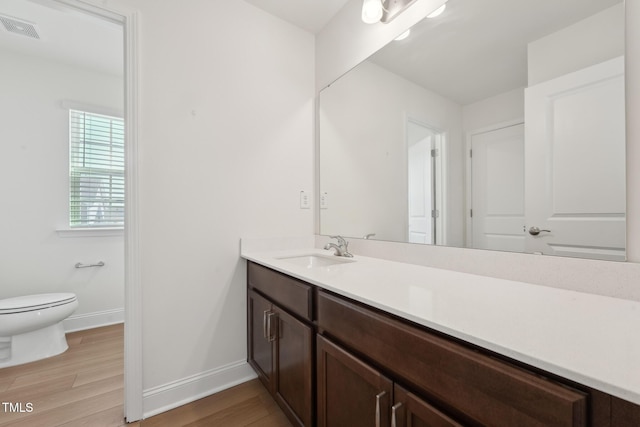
(497, 125)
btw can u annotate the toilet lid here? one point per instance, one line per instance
(34, 302)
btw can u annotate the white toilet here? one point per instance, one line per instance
(31, 327)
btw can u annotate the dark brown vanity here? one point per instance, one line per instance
(332, 361)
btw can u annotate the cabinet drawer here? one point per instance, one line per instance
(292, 294)
(487, 391)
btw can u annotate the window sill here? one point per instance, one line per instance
(90, 232)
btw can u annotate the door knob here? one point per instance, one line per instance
(534, 231)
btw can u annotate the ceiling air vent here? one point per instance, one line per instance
(18, 26)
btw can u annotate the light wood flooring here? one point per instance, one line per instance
(84, 387)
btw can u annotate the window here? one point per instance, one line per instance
(96, 173)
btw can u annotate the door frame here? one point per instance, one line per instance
(133, 385)
(468, 232)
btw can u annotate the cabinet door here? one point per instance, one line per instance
(294, 367)
(350, 392)
(411, 411)
(260, 325)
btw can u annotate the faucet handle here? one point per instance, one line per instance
(341, 240)
(341, 248)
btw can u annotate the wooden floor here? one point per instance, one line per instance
(84, 387)
(248, 404)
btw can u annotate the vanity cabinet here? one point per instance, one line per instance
(331, 361)
(280, 348)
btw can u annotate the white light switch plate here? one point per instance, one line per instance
(305, 200)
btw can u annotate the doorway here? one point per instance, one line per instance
(425, 154)
(27, 152)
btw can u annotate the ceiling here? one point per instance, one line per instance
(66, 36)
(310, 15)
(86, 41)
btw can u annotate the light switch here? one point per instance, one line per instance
(305, 200)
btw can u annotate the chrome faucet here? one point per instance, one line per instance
(342, 248)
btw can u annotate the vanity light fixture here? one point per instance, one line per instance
(384, 11)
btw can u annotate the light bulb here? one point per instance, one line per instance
(437, 12)
(371, 11)
(403, 35)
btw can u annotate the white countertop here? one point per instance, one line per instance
(589, 339)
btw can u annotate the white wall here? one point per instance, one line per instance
(590, 41)
(363, 119)
(501, 108)
(225, 146)
(34, 183)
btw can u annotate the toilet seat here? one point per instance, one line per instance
(34, 302)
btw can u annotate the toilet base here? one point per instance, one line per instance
(32, 346)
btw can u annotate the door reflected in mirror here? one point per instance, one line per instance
(425, 176)
(489, 121)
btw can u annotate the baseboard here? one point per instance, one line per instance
(97, 319)
(177, 393)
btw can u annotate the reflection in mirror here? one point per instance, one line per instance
(498, 125)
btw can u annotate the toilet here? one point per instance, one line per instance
(31, 327)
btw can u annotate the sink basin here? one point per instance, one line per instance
(314, 261)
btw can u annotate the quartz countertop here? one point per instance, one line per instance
(589, 339)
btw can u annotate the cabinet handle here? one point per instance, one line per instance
(271, 335)
(394, 408)
(378, 397)
(265, 328)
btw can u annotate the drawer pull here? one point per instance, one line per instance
(394, 408)
(378, 397)
(271, 335)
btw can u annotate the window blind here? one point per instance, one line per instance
(96, 170)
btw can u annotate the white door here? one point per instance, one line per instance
(497, 186)
(420, 184)
(575, 157)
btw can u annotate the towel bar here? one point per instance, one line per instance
(81, 265)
